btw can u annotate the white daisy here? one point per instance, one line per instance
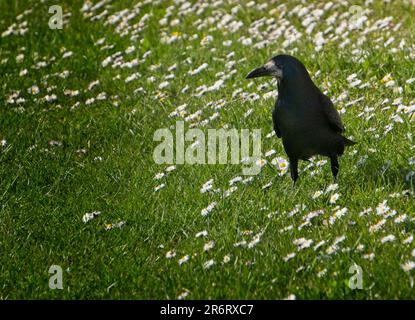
(184, 259)
(208, 264)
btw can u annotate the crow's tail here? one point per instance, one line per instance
(348, 142)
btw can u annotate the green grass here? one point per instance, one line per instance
(46, 189)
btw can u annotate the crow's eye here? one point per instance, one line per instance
(279, 66)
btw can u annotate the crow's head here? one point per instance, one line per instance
(283, 67)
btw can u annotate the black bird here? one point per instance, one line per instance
(303, 116)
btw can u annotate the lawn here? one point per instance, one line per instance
(79, 108)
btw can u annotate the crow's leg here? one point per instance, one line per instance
(334, 166)
(294, 169)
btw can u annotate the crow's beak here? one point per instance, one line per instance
(259, 72)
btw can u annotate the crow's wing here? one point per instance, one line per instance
(275, 122)
(331, 114)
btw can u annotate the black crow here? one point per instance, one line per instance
(303, 116)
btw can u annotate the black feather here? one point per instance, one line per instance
(305, 118)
